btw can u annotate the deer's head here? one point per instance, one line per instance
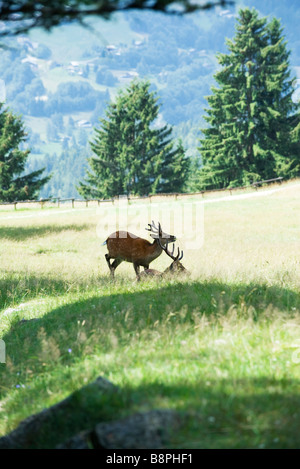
(176, 267)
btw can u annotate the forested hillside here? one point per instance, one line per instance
(62, 82)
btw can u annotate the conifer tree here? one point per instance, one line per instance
(252, 116)
(14, 185)
(130, 155)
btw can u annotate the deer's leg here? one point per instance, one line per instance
(107, 258)
(137, 271)
(114, 265)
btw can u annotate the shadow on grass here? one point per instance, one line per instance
(241, 413)
(22, 233)
(15, 290)
(126, 313)
(262, 413)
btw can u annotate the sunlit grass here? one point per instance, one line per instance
(220, 346)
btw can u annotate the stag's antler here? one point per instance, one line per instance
(153, 227)
(171, 254)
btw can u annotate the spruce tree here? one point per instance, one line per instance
(251, 113)
(131, 155)
(14, 185)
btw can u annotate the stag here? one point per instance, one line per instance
(125, 246)
(175, 268)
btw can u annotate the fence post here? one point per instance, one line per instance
(57, 200)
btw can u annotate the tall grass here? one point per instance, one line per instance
(221, 346)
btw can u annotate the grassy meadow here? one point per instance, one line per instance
(222, 346)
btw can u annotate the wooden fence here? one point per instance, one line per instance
(57, 202)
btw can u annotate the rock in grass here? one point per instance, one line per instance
(54, 427)
(145, 430)
(148, 430)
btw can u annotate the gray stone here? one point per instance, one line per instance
(149, 430)
(145, 430)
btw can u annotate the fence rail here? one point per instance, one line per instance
(57, 201)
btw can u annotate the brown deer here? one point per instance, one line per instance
(175, 268)
(125, 246)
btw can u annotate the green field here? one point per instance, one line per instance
(222, 346)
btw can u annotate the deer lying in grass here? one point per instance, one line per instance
(175, 268)
(125, 246)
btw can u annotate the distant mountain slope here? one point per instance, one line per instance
(61, 82)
